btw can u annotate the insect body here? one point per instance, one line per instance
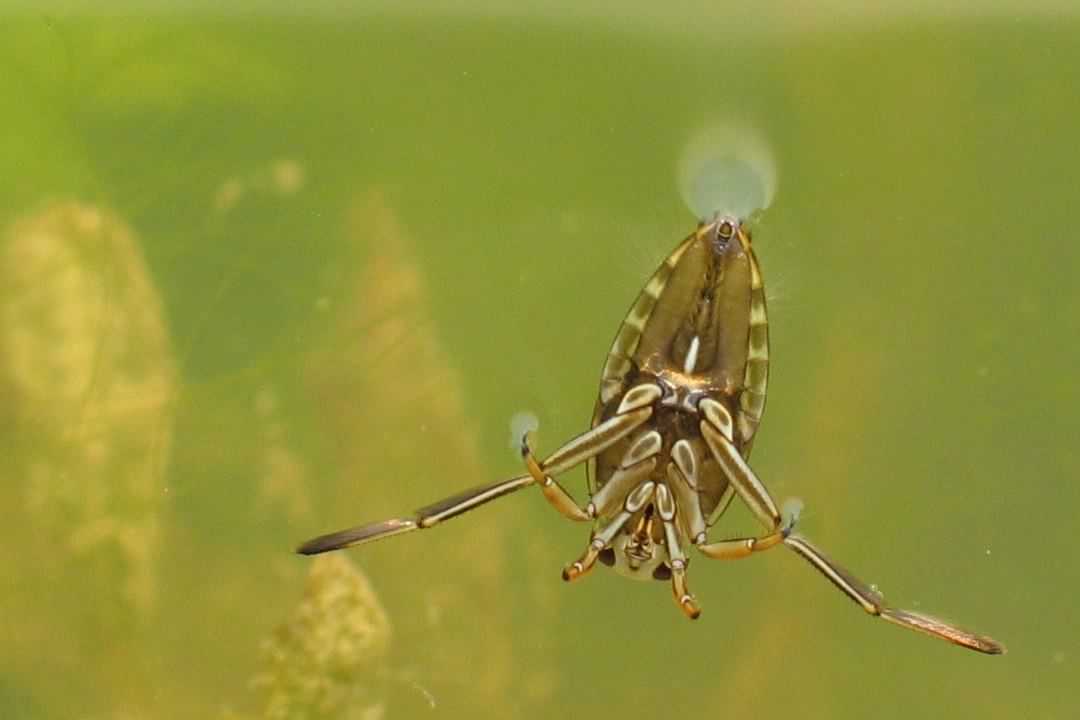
(681, 396)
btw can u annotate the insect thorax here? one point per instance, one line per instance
(638, 550)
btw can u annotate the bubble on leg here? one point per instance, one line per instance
(521, 423)
(727, 168)
(791, 510)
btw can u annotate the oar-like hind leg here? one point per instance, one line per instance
(872, 602)
(572, 453)
(427, 516)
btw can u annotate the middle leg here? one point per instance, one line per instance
(728, 549)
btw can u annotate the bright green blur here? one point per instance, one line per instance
(264, 277)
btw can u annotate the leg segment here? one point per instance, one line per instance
(739, 474)
(559, 497)
(578, 450)
(665, 506)
(686, 498)
(721, 507)
(872, 602)
(600, 540)
(425, 517)
(595, 441)
(622, 481)
(633, 411)
(735, 548)
(714, 429)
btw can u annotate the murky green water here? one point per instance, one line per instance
(267, 276)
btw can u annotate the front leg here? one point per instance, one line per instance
(633, 411)
(717, 429)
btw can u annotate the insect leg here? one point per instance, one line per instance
(682, 474)
(622, 481)
(682, 481)
(595, 441)
(741, 476)
(721, 507)
(600, 540)
(576, 451)
(597, 543)
(735, 548)
(425, 517)
(665, 506)
(559, 497)
(874, 603)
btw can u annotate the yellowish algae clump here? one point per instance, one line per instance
(318, 663)
(88, 366)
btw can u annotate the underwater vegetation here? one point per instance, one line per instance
(314, 662)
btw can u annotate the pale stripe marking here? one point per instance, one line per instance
(740, 475)
(645, 446)
(594, 441)
(434, 514)
(752, 401)
(758, 314)
(690, 362)
(815, 558)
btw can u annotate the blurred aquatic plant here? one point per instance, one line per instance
(284, 477)
(826, 469)
(88, 368)
(321, 661)
(387, 388)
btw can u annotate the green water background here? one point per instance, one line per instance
(372, 238)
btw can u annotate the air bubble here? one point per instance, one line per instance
(792, 508)
(727, 169)
(521, 423)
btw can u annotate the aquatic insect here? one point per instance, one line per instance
(682, 393)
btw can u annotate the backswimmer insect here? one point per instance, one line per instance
(682, 393)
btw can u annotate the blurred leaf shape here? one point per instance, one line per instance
(317, 664)
(86, 360)
(139, 66)
(390, 394)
